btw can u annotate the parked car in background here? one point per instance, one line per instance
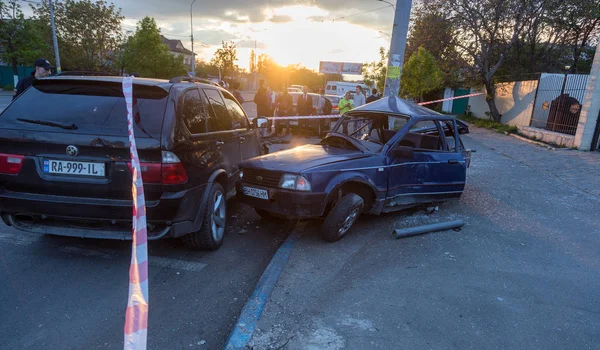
(341, 87)
(385, 156)
(65, 164)
(294, 90)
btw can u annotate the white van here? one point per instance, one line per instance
(341, 87)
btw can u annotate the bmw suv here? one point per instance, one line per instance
(65, 166)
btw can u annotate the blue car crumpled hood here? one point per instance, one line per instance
(302, 158)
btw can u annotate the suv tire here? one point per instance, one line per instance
(211, 233)
(342, 217)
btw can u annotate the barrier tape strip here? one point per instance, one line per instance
(449, 98)
(337, 116)
(136, 316)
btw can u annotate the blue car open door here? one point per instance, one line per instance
(426, 166)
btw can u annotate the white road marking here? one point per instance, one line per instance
(25, 239)
(157, 261)
(18, 239)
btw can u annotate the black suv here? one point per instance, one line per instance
(65, 165)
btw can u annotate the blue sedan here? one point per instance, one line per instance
(388, 155)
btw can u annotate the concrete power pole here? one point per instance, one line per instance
(54, 40)
(397, 47)
(192, 30)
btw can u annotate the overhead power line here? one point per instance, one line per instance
(361, 13)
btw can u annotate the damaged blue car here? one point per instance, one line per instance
(384, 156)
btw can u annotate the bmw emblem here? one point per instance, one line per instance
(72, 151)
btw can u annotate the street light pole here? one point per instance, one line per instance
(192, 30)
(397, 47)
(54, 40)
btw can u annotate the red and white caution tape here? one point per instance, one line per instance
(136, 316)
(332, 116)
(307, 117)
(449, 98)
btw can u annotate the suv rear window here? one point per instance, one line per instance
(96, 108)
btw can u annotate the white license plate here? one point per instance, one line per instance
(255, 192)
(73, 168)
(293, 122)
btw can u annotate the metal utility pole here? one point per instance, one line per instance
(192, 30)
(397, 47)
(54, 40)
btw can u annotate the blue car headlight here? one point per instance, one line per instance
(294, 182)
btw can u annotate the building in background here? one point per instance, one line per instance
(176, 48)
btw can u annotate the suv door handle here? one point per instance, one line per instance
(242, 138)
(220, 143)
(453, 161)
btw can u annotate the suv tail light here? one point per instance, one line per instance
(10, 163)
(169, 172)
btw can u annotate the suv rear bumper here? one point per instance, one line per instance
(291, 204)
(172, 215)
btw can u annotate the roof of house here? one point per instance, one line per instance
(175, 45)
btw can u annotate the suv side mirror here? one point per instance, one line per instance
(403, 152)
(260, 123)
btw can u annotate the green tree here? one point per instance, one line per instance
(421, 74)
(88, 32)
(485, 33)
(204, 69)
(21, 38)
(146, 54)
(374, 72)
(225, 58)
(434, 31)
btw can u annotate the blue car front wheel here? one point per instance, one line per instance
(341, 217)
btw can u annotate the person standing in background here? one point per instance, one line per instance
(374, 97)
(261, 100)
(346, 103)
(359, 97)
(43, 68)
(234, 91)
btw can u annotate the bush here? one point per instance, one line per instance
(489, 124)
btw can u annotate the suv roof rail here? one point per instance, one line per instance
(86, 73)
(185, 79)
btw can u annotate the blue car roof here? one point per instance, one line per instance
(397, 105)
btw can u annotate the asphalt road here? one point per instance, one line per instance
(5, 99)
(68, 293)
(521, 274)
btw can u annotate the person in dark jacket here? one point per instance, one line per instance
(261, 100)
(305, 103)
(235, 86)
(373, 97)
(43, 68)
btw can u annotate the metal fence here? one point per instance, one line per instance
(558, 102)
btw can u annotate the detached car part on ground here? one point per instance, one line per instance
(384, 156)
(64, 164)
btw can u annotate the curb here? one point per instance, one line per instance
(531, 141)
(246, 324)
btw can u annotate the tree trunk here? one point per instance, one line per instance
(13, 62)
(490, 98)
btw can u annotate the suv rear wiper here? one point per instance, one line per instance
(47, 123)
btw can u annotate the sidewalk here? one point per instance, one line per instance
(522, 273)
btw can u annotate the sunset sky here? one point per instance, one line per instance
(290, 31)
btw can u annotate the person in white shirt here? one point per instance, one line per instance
(359, 97)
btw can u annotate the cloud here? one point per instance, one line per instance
(213, 37)
(249, 44)
(280, 19)
(336, 51)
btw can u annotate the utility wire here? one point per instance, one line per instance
(361, 13)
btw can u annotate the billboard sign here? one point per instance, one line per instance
(327, 67)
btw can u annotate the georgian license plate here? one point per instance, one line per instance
(73, 168)
(255, 192)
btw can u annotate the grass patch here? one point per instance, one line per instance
(489, 124)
